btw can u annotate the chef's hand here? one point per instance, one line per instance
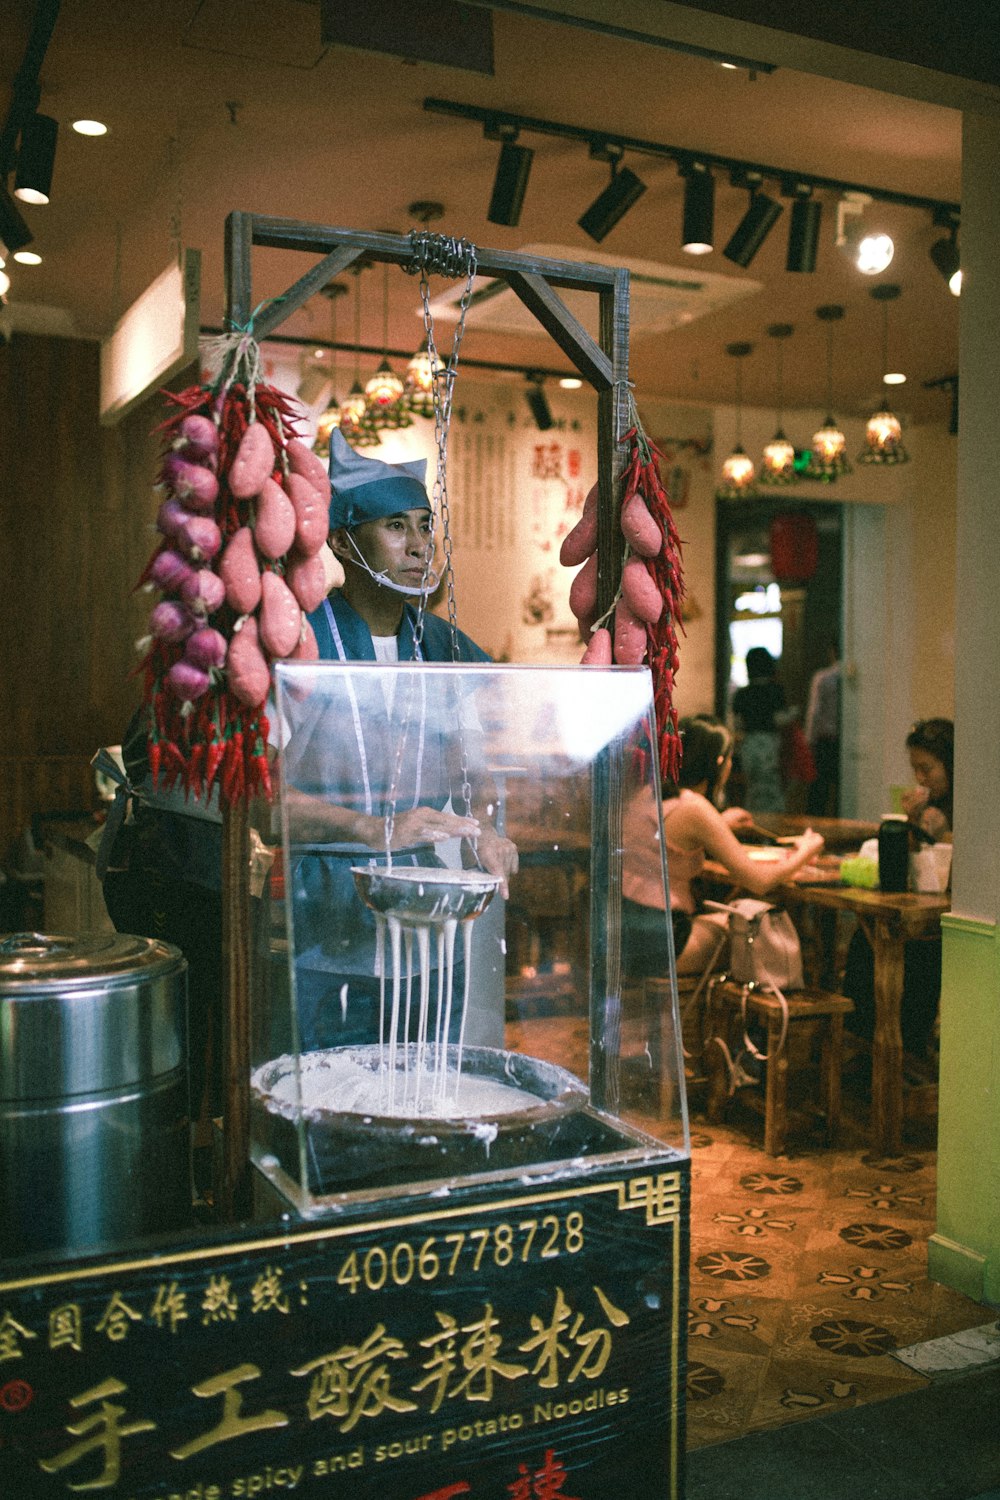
(420, 825)
(498, 856)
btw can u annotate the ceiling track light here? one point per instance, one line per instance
(35, 159)
(883, 431)
(944, 252)
(624, 190)
(871, 250)
(14, 232)
(756, 224)
(699, 208)
(538, 403)
(778, 463)
(752, 174)
(511, 180)
(803, 232)
(828, 454)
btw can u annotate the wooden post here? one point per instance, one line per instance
(606, 839)
(233, 1195)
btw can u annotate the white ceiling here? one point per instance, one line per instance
(236, 104)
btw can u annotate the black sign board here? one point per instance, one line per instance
(520, 1343)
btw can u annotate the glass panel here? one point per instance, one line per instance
(449, 996)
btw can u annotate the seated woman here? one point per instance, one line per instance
(694, 829)
(931, 748)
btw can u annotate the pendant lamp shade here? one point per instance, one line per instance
(384, 391)
(737, 476)
(883, 432)
(778, 462)
(829, 445)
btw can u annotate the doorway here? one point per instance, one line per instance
(780, 585)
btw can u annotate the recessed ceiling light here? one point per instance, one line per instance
(731, 66)
(894, 378)
(28, 257)
(570, 383)
(4, 283)
(90, 127)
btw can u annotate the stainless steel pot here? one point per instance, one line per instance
(94, 1130)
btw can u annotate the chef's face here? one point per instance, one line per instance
(929, 772)
(400, 546)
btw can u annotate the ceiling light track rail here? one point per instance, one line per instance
(792, 181)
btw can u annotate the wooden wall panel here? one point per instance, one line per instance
(77, 509)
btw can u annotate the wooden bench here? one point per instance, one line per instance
(724, 1020)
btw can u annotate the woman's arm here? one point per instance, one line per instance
(697, 824)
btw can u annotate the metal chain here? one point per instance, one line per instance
(451, 257)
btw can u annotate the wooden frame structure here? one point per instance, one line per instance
(604, 364)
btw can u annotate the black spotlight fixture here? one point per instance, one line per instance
(14, 232)
(538, 403)
(511, 181)
(699, 208)
(803, 231)
(624, 189)
(945, 254)
(756, 224)
(35, 159)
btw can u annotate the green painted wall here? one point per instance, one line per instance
(965, 1251)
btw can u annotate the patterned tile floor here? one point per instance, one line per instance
(807, 1271)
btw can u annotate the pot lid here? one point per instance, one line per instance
(26, 958)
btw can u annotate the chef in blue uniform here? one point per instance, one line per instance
(368, 743)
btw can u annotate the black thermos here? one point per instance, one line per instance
(894, 852)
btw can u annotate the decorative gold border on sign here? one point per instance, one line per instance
(658, 1195)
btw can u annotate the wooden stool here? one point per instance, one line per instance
(815, 1005)
(650, 1002)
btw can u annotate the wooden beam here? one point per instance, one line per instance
(293, 234)
(556, 318)
(300, 291)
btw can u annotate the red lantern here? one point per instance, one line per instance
(794, 547)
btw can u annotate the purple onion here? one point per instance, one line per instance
(204, 591)
(171, 621)
(206, 648)
(198, 439)
(168, 571)
(200, 538)
(171, 516)
(187, 680)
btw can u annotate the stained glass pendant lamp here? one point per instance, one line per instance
(829, 445)
(384, 391)
(355, 423)
(778, 463)
(738, 474)
(330, 418)
(883, 432)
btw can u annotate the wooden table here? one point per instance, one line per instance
(889, 921)
(839, 834)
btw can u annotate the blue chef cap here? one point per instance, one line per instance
(367, 489)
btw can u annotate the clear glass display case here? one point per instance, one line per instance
(447, 993)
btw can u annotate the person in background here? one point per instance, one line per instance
(822, 731)
(931, 747)
(760, 713)
(694, 829)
